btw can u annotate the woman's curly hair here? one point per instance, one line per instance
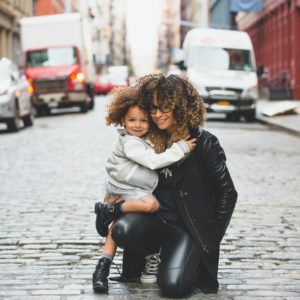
(122, 99)
(179, 94)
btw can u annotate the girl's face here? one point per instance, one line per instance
(163, 117)
(136, 121)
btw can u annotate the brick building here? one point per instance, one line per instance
(276, 40)
(50, 7)
(10, 13)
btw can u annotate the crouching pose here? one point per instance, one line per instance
(131, 176)
(196, 195)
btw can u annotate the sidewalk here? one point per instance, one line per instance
(289, 122)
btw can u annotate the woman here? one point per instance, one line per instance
(196, 195)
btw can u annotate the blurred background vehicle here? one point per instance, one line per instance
(15, 97)
(102, 84)
(116, 76)
(173, 70)
(221, 65)
(58, 63)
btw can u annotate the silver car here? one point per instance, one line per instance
(15, 97)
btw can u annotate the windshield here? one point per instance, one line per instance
(60, 56)
(209, 58)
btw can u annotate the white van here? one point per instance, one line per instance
(221, 65)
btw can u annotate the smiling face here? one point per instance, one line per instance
(136, 121)
(163, 117)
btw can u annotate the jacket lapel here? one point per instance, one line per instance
(184, 165)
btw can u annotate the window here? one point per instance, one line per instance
(60, 56)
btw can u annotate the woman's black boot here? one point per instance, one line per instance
(105, 215)
(100, 276)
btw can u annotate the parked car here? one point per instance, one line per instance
(15, 97)
(116, 76)
(102, 84)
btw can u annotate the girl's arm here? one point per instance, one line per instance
(136, 150)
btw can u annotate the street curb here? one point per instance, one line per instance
(276, 125)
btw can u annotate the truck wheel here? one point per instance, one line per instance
(42, 111)
(91, 93)
(250, 116)
(232, 117)
(84, 107)
(92, 104)
(38, 111)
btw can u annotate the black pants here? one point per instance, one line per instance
(142, 234)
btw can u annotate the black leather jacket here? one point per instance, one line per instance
(205, 193)
(205, 197)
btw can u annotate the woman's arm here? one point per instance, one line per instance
(221, 182)
(136, 150)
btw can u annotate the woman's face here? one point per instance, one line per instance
(163, 117)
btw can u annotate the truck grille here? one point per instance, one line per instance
(209, 88)
(224, 93)
(50, 85)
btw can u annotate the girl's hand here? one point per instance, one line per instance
(112, 199)
(191, 143)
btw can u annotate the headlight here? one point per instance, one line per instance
(251, 92)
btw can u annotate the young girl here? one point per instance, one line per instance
(130, 173)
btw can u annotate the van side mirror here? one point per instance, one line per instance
(181, 65)
(260, 70)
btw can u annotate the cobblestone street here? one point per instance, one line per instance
(52, 174)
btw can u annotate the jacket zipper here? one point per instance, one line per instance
(194, 227)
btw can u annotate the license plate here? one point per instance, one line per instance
(223, 103)
(52, 104)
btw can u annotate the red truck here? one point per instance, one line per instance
(58, 61)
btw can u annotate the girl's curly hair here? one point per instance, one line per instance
(179, 94)
(122, 99)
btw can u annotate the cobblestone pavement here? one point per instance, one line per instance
(51, 175)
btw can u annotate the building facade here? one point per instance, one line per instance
(46, 7)
(101, 33)
(52, 7)
(10, 12)
(276, 39)
(118, 46)
(168, 33)
(220, 16)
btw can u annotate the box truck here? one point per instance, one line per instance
(58, 61)
(221, 65)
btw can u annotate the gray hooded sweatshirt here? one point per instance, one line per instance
(133, 162)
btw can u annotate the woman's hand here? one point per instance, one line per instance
(112, 199)
(191, 143)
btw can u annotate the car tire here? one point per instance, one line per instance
(14, 124)
(28, 120)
